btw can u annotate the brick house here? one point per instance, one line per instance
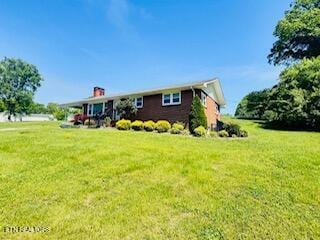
(172, 103)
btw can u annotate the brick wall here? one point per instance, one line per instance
(153, 109)
(211, 112)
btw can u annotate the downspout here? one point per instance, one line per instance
(193, 91)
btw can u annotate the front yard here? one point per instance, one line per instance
(99, 184)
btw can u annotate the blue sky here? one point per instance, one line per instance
(124, 45)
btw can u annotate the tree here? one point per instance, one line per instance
(2, 106)
(253, 105)
(61, 113)
(295, 101)
(126, 108)
(18, 82)
(52, 108)
(38, 108)
(25, 104)
(197, 115)
(298, 33)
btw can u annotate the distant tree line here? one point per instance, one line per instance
(51, 108)
(295, 101)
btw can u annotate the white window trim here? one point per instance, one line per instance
(171, 99)
(135, 102)
(88, 109)
(205, 102)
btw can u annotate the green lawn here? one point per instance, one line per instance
(100, 184)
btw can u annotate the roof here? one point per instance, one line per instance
(213, 83)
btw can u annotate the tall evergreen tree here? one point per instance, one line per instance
(197, 115)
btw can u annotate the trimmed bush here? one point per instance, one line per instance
(107, 121)
(185, 132)
(200, 131)
(123, 124)
(213, 134)
(223, 134)
(178, 125)
(137, 125)
(89, 122)
(162, 126)
(177, 128)
(149, 125)
(243, 133)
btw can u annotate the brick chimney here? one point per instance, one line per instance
(98, 91)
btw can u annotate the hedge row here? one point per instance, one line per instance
(160, 126)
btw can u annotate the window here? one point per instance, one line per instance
(90, 108)
(138, 102)
(203, 99)
(166, 99)
(176, 97)
(171, 98)
(97, 108)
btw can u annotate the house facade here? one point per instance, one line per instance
(172, 103)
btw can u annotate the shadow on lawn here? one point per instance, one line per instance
(281, 127)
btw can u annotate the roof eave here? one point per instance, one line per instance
(196, 85)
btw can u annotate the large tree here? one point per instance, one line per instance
(298, 34)
(2, 106)
(18, 82)
(295, 101)
(253, 105)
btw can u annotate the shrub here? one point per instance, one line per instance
(89, 122)
(232, 128)
(162, 126)
(213, 134)
(234, 136)
(149, 126)
(178, 125)
(185, 132)
(243, 133)
(197, 115)
(107, 121)
(223, 133)
(126, 108)
(77, 123)
(123, 124)
(80, 118)
(177, 128)
(137, 125)
(200, 131)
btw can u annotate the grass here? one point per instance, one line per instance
(96, 184)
